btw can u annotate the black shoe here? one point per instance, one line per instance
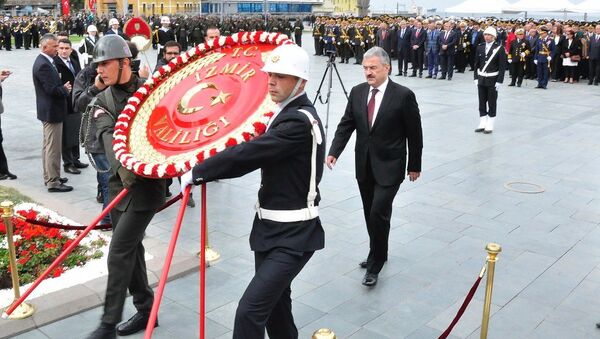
(597, 325)
(191, 202)
(412, 76)
(518, 85)
(420, 75)
(511, 85)
(479, 130)
(168, 194)
(363, 264)
(63, 180)
(72, 169)
(135, 324)
(60, 188)
(595, 84)
(10, 176)
(538, 87)
(442, 78)
(590, 82)
(449, 79)
(104, 331)
(79, 164)
(428, 77)
(99, 198)
(370, 279)
(3, 176)
(405, 74)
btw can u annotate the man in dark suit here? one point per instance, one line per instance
(490, 65)
(447, 41)
(384, 39)
(386, 118)
(67, 64)
(476, 38)
(51, 101)
(403, 47)
(417, 42)
(4, 172)
(594, 55)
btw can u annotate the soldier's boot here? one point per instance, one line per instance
(489, 125)
(482, 124)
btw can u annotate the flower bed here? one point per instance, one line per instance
(37, 247)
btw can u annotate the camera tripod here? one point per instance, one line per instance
(329, 72)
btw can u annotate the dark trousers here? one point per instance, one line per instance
(377, 206)
(3, 161)
(70, 154)
(517, 70)
(102, 178)
(557, 68)
(267, 300)
(298, 39)
(570, 71)
(487, 98)
(318, 46)
(543, 72)
(418, 56)
(126, 265)
(359, 53)
(461, 61)
(403, 60)
(594, 71)
(447, 65)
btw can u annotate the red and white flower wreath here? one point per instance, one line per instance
(256, 125)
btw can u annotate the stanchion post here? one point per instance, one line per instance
(24, 310)
(324, 333)
(211, 255)
(492, 250)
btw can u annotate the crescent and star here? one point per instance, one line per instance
(184, 104)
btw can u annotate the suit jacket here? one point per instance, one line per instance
(386, 43)
(574, 49)
(397, 127)
(67, 76)
(431, 44)
(403, 41)
(50, 94)
(420, 40)
(451, 42)
(476, 38)
(497, 64)
(594, 49)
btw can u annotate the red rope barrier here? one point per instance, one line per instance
(464, 305)
(66, 252)
(81, 227)
(167, 265)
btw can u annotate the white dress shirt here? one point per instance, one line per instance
(378, 98)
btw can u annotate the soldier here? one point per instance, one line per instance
(165, 33)
(463, 48)
(543, 55)
(331, 32)
(181, 33)
(17, 32)
(517, 57)
(26, 28)
(318, 32)
(490, 64)
(343, 43)
(356, 39)
(298, 29)
(35, 34)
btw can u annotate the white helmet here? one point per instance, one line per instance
(491, 31)
(288, 59)
(113, 21)
(165, 20)
(92, 28)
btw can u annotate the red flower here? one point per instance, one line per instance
(247, 136)
(259, 128)
(213, 152)
(231, 142)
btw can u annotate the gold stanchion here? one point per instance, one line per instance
(323, 333)
(210, 255)
(24, 310)
(493, 250)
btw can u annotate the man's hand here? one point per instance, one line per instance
(523, 54)
(4, 74)
(99, 84)
(549, 58)
(68, 86)
(186, 179)
(510, 61)
(127, 177)
(330, 161)
(476, 82)
(497, 85)
(535, 62)
(413, 176)
(144, 71)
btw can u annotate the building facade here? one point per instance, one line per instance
(146, 7)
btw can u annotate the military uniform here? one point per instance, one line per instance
(517, 57)
(130, 217)
(343, 45)
(298, 29)
(463, 49)
(164, 35)
(286, 229)
(318, 31)
(489, 70)
(544, 50)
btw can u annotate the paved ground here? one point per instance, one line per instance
(548, 276)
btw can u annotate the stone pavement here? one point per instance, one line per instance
(548, 276)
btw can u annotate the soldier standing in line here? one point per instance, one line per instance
(517, 57)
(298, 29)
(543, 56)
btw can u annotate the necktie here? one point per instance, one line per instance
(71, 66)
(402, 34)
(383, 34)
(417, 34)
(446, 37)
(371, 107)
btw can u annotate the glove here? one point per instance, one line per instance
(464, 44)
(549, 58)
(476, 82)
(497, 85)
(127, 177)
(510, 61)
(535, 62)
(523, 54)
(186, 179)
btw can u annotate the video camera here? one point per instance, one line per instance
(332, 54)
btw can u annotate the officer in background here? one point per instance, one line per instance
(490, 65)
(298, 29)
(517, 57)
(165, 33)
(543, 55)
(131, 216)
(286, 229)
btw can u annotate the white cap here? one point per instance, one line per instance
(165, 20)
(288, 59)
(113, 21)
(92, 28)
(491, 31)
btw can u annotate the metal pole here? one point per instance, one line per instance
(24, 310)
(210, 254)
(493, 250)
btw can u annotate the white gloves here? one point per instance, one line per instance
(549, 58)
(523, 54)
(535, 62)
(510, 61)
(464, 44)
(497, 85)
(186, 179)
(476, 82)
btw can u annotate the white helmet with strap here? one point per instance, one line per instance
(491, 31)
(289, 59)
(165, 20)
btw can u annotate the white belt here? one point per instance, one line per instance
(302, 214)
(486, 74)
(311, 211)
